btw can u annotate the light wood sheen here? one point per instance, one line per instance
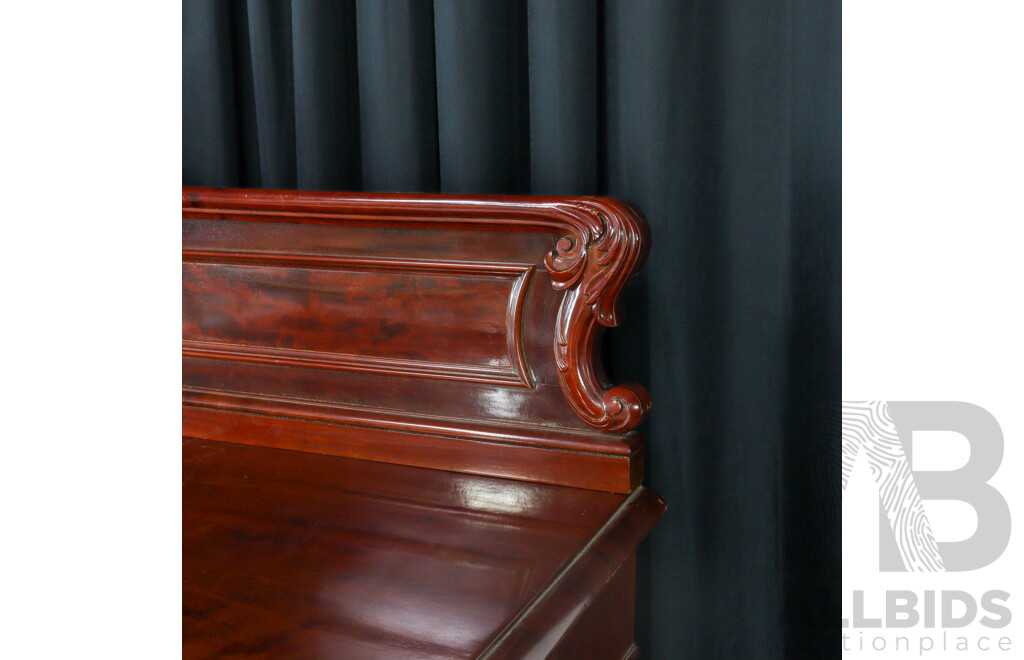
(399, 439)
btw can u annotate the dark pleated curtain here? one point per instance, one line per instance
(720, 119)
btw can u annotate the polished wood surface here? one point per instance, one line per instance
(291, 554)
(399, 439)
(582, 469)
(481, 315)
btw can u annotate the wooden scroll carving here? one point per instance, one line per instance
(592, 267)
(601, 244)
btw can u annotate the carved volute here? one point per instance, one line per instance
(592, 267)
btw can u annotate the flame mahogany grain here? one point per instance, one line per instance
(290, 554)
(399, 441)
(477, 312)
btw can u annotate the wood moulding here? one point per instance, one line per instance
(592, 267)
(517, 374)
(603, 243)
(547, 623)
(404, 390)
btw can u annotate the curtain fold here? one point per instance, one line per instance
(482, 96)
(209, 137)
(720, 119)
(269, 24)
(398, 95)
(563, 91)
(326, 95)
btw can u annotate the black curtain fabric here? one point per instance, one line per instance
(720, 119)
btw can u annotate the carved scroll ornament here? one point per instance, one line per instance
(603, 243)
(592, 267)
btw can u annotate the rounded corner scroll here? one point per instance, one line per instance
(592, 266)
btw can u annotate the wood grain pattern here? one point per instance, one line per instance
(303, 313)
(399, 441)
(289, 554)
(592, 269)
(482, 311)
(547, 622)
(499, 459)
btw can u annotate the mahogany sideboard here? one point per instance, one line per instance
(398, 439)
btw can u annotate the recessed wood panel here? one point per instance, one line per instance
(307, 315)
(366, 334)
(455, 321)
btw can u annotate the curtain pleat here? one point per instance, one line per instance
(700, 130)
(208, 118)
(270, 52)
(248, 173)
(482, 96)
(721, 120)
(563, 92)
(326, 95)
(398, 95)
(811, 502)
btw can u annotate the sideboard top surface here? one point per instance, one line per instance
(289, 553)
